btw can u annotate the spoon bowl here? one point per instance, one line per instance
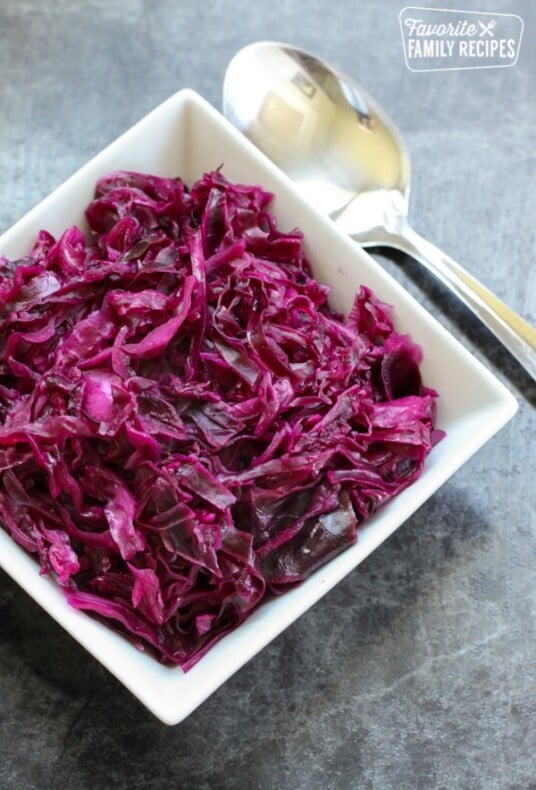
(322, 130)
(348, 159)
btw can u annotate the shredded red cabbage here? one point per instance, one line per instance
(185, 425)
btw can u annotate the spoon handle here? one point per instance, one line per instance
(512, 330)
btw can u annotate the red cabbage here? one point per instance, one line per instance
(186, 426)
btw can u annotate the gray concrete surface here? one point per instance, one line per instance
(418, 670)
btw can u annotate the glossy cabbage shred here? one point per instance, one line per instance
(185, 425)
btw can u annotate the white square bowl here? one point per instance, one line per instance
(186, 137)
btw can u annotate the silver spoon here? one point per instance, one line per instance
(349, 160)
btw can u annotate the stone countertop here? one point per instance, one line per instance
(418, 670)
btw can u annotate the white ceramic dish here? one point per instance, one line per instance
(185, 136)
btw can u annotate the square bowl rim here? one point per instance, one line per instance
(169, 693)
